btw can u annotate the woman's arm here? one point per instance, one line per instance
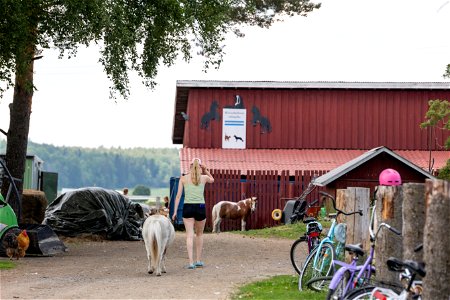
(177, 198)
(207, 175)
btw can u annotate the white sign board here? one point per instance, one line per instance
(234, 128)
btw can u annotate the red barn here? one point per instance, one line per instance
(294, 130)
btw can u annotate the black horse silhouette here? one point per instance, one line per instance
(263, 121)
(212, 114)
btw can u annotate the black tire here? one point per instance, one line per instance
(319, 284)
(299, 250)
(326, 256)
(361, 293)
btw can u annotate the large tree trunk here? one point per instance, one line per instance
(19, 124)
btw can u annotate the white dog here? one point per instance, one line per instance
(158, 234)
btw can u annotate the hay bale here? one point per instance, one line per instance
(34, 204)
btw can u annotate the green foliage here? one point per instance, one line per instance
(135, 36)
(277, 287)
(444, 173)
(438, 115)
(112, 168)
(141, 190)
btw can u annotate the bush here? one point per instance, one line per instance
(444, 173)
(141, 190)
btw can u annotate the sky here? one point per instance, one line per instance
(346, 40)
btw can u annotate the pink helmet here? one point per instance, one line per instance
(390, 177)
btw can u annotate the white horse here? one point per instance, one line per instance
(158, 233)
(232, 210)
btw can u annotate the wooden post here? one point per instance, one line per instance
(437, 240)
(413, 219)
(388, 210)
(354, 199)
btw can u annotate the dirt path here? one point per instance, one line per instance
(118, 270)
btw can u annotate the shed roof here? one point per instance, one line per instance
(183, 87)
(300, 159)
(357, 161)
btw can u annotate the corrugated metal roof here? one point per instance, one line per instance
(310, 84)
(298, 159)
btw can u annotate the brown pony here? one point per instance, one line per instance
(232, 210)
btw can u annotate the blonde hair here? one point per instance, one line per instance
(196, 172)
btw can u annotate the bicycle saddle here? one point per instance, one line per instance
(357, 249)
(398, 265)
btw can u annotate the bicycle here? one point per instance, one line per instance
(351, 276)
(412, 288)
(319, 261)
(311, 237)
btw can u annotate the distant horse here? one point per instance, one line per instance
(212, 114)
(158, 233)
(232, 210)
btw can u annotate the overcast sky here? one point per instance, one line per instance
(347, 40)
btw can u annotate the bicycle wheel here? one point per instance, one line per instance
(323, 266)
(298, 250)
(361, 293)
(319, 283)
(338, 292)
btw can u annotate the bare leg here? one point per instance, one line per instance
(199, 228)
(189, 226)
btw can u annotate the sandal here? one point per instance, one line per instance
(190, 266)
(199, 264)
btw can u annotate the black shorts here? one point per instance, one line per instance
(196, 211)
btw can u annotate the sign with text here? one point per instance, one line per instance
(234, 128)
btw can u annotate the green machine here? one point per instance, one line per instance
(43, 240)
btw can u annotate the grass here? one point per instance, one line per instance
(277, 287)
(6, 264)
(282, 286)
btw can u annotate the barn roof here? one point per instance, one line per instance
(183, 87)
(357, 161)
(302, 159)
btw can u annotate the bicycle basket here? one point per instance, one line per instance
(340, 232)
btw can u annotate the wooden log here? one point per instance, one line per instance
(413, 219)
(389, 203)
(436, 240)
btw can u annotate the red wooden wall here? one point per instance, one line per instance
(322, 119)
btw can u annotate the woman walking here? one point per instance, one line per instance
(194, 210)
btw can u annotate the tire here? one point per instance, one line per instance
(338, 292)
(364, 292)
(324, 265)
(319, 284)
(298, 251)
(277, 214)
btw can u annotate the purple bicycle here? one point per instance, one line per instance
(351, 276)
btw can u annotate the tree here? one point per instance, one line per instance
(133, 35)
(438, 115)
(141, 190)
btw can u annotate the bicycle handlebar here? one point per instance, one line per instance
(338, 210)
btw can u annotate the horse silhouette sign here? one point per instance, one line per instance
(234, 128)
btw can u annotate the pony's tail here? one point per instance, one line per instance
(215, 215)
(155, 243)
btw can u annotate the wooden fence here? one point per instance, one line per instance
(272, 189)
